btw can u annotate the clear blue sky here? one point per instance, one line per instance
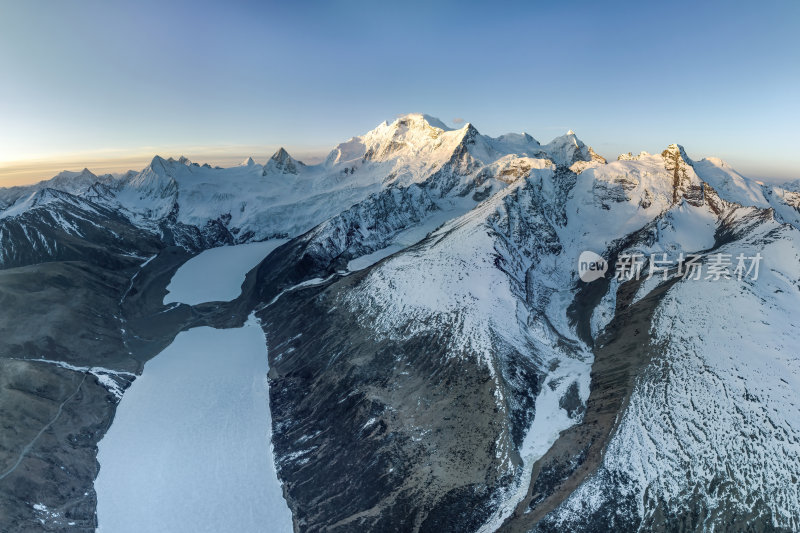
(93, 77)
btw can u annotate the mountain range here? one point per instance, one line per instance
(436, 362)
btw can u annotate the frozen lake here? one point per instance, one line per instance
(189, 449)
(216, 275)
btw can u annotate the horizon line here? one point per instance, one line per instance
(32, 170)
(36, 168)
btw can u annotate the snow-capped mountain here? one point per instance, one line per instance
(436, 362)
(66, 181)
(487, 299)
(292, 197)
(53, 225)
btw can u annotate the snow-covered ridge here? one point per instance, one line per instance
(497, 279)
(283, 197)
(66, 181)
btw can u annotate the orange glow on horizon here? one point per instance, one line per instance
(34, 169)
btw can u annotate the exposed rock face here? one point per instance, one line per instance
(677, 162)
(64, 360)
(56, 226)
(382, 396)
(282, 163)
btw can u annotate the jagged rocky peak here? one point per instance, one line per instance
(156, 179)
(282, 163)
(594, 160)
(630, 157)
(685, 183)
(470, 131)
(567, 150)
(675, 157)
(596, 157)
(281, 155)
(73, 182)
(157, 164)
(249, 162)
(69, 174)
(675, 152)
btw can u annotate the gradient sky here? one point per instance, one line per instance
(119, 81)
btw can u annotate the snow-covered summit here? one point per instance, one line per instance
(74, 182)
(84, 174)
(68, 181)
(435, 122)
(411, 134)
(282, 163)
(422, 120)
(567, 149)
(674, 151)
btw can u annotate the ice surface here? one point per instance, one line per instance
(217, 275)
(189, 449)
